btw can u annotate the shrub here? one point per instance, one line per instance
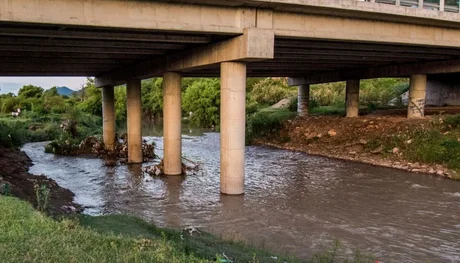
(271, 90)
(202, 98)
(265, 123)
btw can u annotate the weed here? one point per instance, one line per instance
(42, 194)
(6, 190)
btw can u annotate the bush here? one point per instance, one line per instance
(12, 134)
(270, 91)
(265, 123)
(202, 98)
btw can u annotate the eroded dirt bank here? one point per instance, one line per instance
(367, 139)
(16, 181)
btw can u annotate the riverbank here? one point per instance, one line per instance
(16, 181)
(429, 145)
(30, 236)
(72, 237)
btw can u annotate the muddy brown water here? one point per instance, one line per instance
(294, 203)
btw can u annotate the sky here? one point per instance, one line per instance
(13, 84)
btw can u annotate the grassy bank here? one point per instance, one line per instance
(436, 142)
(30, 236)
(16, 131)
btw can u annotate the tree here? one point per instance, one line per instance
(91, 98)
(271, 90)
(152, 97)
(202, 98)
(30, 91)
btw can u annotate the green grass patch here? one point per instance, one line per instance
(30, 236)
(432, 146)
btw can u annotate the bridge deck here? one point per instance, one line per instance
(312, 36)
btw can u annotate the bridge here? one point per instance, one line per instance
(310, 41)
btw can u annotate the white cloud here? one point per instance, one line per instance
(13, 84)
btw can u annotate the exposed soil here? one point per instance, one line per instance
(14, 165)
(348, 139)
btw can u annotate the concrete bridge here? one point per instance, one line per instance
(311, 41)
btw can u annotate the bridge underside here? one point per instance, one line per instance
(50, 50)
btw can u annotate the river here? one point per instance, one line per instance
(294, 203)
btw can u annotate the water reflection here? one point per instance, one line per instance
(294, 203)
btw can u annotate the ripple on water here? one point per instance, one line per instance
(293, 202)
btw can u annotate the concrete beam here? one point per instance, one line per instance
(137, 14)
(103, 35)
(400, 70)
(255, 44)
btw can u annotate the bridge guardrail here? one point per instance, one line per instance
(439, 5)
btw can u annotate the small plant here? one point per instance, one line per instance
(42, 194)
(6, 190)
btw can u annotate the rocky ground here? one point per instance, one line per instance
(16, 181)
(353, 139)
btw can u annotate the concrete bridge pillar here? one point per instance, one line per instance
(352, 98)
(417, 93)
(134, 109)
(232, 127)
(303, 100)
(172, 115)
(108, 115)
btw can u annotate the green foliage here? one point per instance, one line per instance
(329, 94)
(91, 98)
(202, 98)
(271, 90)
(30, 91)
(266, 122)
(42, 197)
(432, 146)
(452, 121)
(374, 93)
(152, 97)
(379, 92)
(120, 103)
(12, 134)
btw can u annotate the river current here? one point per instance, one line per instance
(294, 203)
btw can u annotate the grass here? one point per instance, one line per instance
(437, 143)
(28, 235)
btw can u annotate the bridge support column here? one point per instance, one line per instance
(134, 109)
(172, 115)
(108, 115)
(232, 127)
(417, 93)
(352, 98)
(303, 100)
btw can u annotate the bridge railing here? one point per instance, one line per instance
(452, 6)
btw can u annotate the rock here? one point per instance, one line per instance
(319, 136)
(377, 150)
(281, 104)
(416, 170)
(332, 133)
(409, 141)
(362, 141)
(395, 150)
(432, 171)
(440, 172)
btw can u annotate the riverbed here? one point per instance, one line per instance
(294, 203)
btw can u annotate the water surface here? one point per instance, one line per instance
(294, 203)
